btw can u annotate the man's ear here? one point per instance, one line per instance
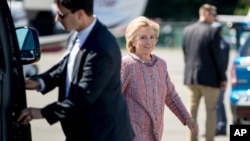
(81, 14)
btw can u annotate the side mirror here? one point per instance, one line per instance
(29, 45)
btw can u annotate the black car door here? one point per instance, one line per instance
(12, 91)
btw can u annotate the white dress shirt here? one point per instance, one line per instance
(81, 38)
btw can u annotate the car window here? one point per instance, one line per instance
(245, 48)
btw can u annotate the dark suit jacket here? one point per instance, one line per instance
(225, 47)
(95, 109)
(203, 56)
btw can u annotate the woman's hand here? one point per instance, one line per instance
(193, 126)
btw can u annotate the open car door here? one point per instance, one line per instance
(17, 47)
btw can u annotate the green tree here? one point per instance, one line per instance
(242, 7)
(188, 9)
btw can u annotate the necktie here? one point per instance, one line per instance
(75, 49)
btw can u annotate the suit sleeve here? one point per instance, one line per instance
(96, 76)
(52, 77)
(218, 55)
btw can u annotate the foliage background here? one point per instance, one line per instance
(186, 10)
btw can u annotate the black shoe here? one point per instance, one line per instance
(221, 133)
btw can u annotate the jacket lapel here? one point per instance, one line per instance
(82, 54)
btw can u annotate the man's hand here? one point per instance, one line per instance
(28, 114)
(223, 84)
(31, 84)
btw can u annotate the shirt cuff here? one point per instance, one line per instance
(42, 84)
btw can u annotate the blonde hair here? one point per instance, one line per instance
(134, 25)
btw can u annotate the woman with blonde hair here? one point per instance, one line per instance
(146, 84)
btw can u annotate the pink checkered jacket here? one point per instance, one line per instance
(147, 88)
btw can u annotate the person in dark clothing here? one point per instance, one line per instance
(221, 123)
(204, 74)
(90, 106)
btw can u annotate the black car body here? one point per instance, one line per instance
(15, 45)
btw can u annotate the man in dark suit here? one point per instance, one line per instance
(204, 73)
(90, 105)
(221, 124)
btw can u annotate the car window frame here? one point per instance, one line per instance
(244, 50)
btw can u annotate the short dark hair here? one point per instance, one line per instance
(74, 5)
(207, 7)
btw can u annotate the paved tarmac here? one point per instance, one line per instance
(173, 129)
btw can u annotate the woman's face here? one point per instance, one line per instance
(144, 41)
